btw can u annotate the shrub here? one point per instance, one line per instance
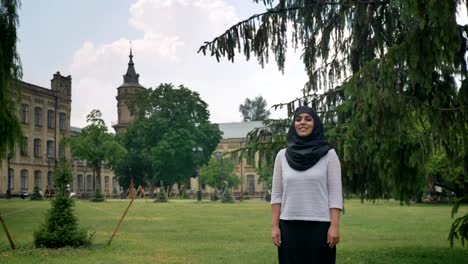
(227, 198)
(36, 196)
(97, 197)
(162, 195)
(61, 228)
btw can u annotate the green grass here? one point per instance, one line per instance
(190, 232)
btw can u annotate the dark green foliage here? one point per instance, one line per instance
(254, 110)
(97, 196)
(61, 228)
(36, 196)
(172, 123)
(10, 71)
(226, 198)
(387, 92)
(161, 197)
(459, 228)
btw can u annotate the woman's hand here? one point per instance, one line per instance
(276, 236)
(333, 236)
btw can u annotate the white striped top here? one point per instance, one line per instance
(307, 195)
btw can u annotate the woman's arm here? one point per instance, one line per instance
(333, 236)
(275, 231)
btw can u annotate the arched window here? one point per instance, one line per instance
(50, 119)
(89, 183)
(106, 184)
(37, 179)
(80, 183)
(50, 149)
(24, 180)
(12, 179)
(38, 116)
(251, 184)
(50, 180)
(37, 147)
(25, 113)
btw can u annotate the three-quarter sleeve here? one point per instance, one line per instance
(335, 193)
(277, 187)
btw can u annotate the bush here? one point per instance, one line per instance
(36, 196)
(227, 198)
(61, 228)
(162, 195)
(97, 197)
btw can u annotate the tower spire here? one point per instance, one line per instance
(131, 77)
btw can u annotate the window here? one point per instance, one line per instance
(24, 147)
(50, 149)
(38, 116)
(37, 148)
(12, 179)
(62, 124)
(24, 113)
(61, 151)
(24, 180)
(50, 119)
(89, 183)
(106, 184)
(114, 183)
(37, 179)
(80, 183)
(50, 180)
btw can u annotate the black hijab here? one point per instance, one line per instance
(304, 152)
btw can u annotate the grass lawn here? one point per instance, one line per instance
(208, 232)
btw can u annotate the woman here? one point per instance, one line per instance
(306, 198)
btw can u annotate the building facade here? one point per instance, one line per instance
(45, 120)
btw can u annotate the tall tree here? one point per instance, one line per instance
(173, 124)
(254, 110)
(96, 145)
(384, 88)
(10, 71)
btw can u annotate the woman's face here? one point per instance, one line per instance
(304, 124)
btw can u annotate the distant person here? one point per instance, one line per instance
(306, 198)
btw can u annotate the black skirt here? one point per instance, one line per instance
(305, 242)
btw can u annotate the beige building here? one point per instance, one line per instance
(45, 120)
(234, 135)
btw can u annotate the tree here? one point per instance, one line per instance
(376, 79)
(10, 71)
(61, 228)
(160, 144)
(96, 145)
(254, 110)
(218, 173)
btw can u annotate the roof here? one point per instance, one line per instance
(238, 129)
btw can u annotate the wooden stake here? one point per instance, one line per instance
(7, 233)
(121, 219)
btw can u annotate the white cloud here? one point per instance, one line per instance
(172, 31)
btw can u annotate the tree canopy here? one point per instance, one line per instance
(254, 109)
(96, 145)
(171, 137)
(219, 174)
(388, 78)
(10, 71)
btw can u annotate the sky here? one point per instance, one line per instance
(90, 40)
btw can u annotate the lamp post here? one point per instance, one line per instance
(8, 192)
(197, 152)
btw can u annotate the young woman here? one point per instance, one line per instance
(306, 198)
